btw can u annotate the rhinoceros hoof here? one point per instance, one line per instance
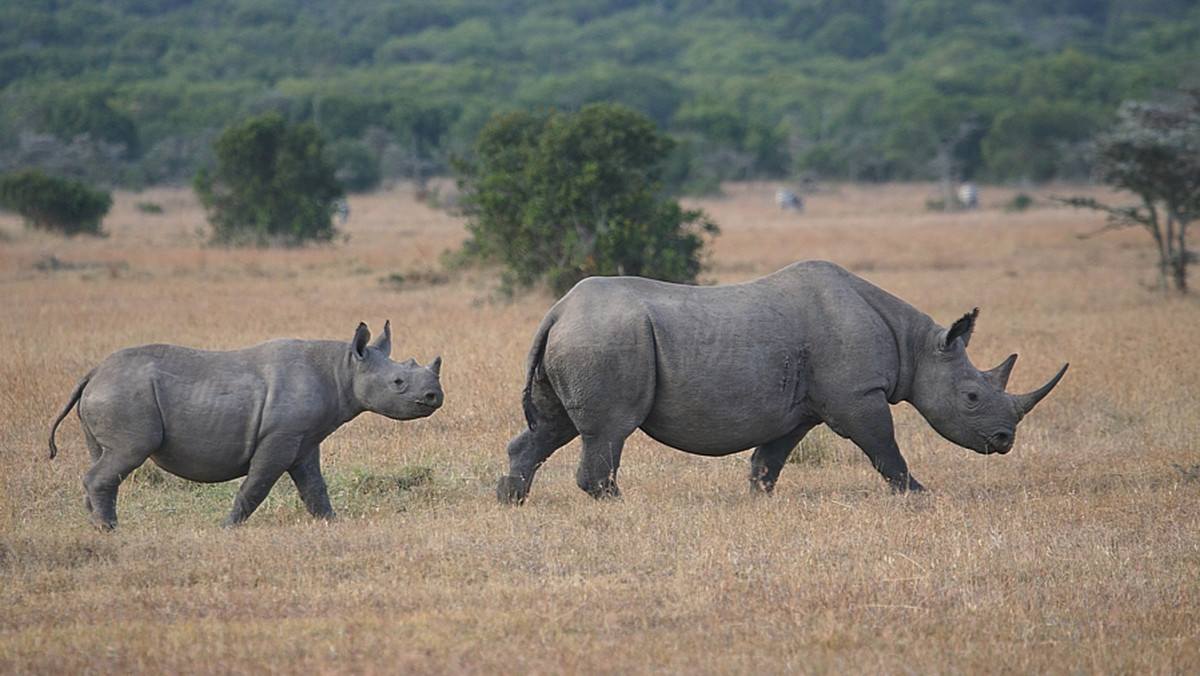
(909, 485)
(102, 525)
(605, 491)
(511, 490)
(761, 487)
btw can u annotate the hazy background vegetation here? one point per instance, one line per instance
(133, 92)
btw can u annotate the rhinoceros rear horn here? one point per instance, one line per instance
(998, 376)
(1026, 402)
(383, 342)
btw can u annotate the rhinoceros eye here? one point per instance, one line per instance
(972, 399)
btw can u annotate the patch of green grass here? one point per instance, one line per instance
(353, 492)
(818, 448)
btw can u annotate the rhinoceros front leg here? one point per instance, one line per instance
(768, 459)
(271, 459)
(311, 484)
(526, 453)
(870, 427)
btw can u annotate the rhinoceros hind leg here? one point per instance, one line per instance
(598, 464)
(101, 497)
(101, 481)
(526, 453)
(768, 459)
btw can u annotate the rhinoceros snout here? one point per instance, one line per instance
(433, 399)
(1000, 442)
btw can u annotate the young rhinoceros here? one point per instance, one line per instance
(256, 412)
(720, 369)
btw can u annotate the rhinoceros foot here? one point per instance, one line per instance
(102, 524)
(907, 484)
(604, 490)
(511, 490)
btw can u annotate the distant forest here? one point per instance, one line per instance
(133, 92)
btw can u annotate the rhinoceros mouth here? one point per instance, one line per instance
(430, 402)
(1000, 442)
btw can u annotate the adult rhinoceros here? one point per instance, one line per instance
(256, 412)
(721, 369)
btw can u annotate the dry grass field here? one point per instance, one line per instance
(1079, 552)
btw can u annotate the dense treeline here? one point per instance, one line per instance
(135, 91)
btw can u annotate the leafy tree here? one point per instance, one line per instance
(356, 167)
(850, 36)
(420, 128)
(88, 110)
(65, 205)
(271, 184)
(348, 116)
(1032, 140)
(1154, 152)
(558, 197)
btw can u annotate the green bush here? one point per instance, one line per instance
(558, 197)
(65, 205)
(272, 185)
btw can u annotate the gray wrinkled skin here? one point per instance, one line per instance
(256, 412)
(721, 369)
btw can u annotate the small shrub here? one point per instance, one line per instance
(1019, 202)
(64, 205)
(149, 207)
(416, 277)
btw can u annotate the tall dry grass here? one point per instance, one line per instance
(1077, 552)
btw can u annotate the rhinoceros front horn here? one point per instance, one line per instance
(1026, 402)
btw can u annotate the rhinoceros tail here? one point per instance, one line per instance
(75, 394)
(536, 352)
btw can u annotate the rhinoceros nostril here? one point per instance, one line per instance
(1002, 441)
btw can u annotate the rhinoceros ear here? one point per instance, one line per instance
(436, 366)
(383, 343)
(358, 345)
(961, 329)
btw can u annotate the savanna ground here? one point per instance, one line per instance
(1079, 552)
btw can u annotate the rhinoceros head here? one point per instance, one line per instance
(966, 405)
(398, 390)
